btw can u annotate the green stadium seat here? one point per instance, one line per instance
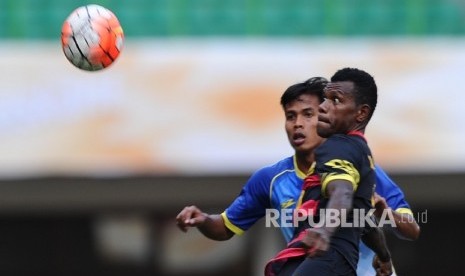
(42, 19)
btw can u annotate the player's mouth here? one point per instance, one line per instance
(323, 120)
(298, 138)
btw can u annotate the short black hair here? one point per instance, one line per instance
(312, 86)
(365, 89)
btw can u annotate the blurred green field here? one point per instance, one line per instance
(42, 19)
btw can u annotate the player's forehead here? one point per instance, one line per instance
(303, 102)
(340, 87)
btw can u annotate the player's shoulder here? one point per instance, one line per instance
(384, 179)
(384, 182)
(347, 139)
(283, 165)
(343, 143)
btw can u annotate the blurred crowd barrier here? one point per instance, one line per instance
(126, 227)
(42, 19)
(186, 106)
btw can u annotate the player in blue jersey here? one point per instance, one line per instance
(277, 186)
(388, 198)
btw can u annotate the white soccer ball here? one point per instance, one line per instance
(92, 37)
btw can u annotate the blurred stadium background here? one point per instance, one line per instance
(95, 166)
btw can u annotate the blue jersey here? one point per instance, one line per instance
(276, 187)
(394, 196)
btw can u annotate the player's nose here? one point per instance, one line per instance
(322, 108)
(298, 122)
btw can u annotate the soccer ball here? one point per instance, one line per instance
(92, 37)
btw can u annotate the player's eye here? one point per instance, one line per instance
(290, 116)
(337, 101)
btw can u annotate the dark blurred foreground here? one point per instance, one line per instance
(84, 226)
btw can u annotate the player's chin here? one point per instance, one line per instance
(306, 148)
(298, 145)
(322, 130)
(303, 146)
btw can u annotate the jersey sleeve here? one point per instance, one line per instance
(250, 205)
(392, 193)
(338, 159)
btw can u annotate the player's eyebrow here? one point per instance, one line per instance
(335, 87)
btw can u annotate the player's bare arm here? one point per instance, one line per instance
(406, 226)
(340, 193)
(375, 240)
(211, 226)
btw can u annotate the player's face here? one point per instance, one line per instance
(338, 111)
(301, 120)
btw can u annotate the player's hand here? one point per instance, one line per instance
(190, 216)
(317, 241)
(382, 268)
(380, 205)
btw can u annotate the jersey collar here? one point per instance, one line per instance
(357, 133)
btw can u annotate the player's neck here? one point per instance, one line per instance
(304, 160)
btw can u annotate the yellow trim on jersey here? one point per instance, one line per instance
(372, 162)
(346, 166)
(331, 177)
(287, 203)
(236, 230)
(404, 211)
(298, 172)
(351, 175)
(299, 202)
(311, 170)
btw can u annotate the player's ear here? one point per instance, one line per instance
(363, 113)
